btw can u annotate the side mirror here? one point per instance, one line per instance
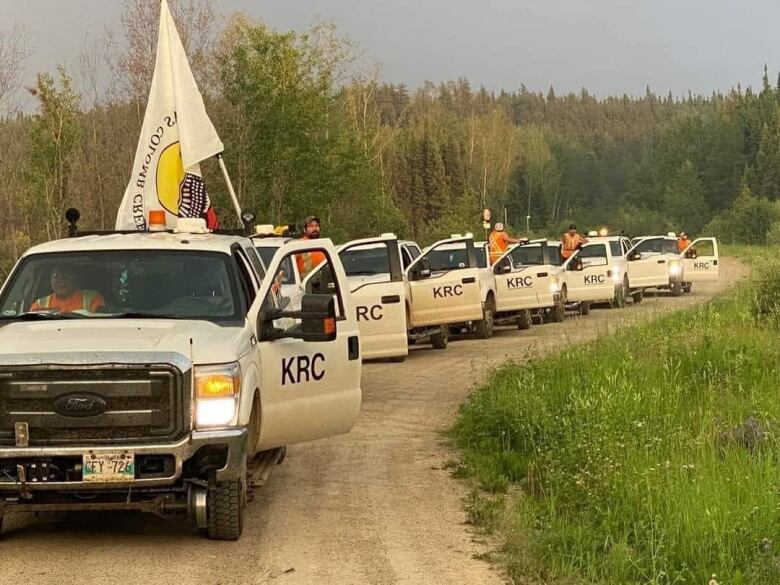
(691, 254)
(422, 270)
(634, 256)
(504, 267)
(317, 320)
(576, 264)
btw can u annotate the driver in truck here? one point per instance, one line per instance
(66, 297)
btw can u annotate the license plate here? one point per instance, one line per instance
(108, 466)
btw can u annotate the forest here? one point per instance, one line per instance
(309, 126)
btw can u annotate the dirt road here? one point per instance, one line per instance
(374, 506)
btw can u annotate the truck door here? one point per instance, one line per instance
(588, 274)
(700, 261)
(519, 275)
(648, 266)
(307, 389)
(443, 284)
(376, 280)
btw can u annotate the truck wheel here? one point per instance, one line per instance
(558, 312)
(440, 339)
(637, 296)
(524, 320)
(484, 327)
(676, 289)
(619, 300)
(585, 308)
(226, 508)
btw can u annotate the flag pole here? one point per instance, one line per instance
(233, 197)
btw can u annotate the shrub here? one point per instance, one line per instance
(765, 305)
(773, 235)
(747, 222)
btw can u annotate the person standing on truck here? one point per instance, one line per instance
(499, 242)
(308, 261)
(683, 242)
(66, 297)
(571, 240)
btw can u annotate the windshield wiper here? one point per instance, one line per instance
(42, 316)
(139, 315)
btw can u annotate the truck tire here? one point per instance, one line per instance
(226, 509)
(558, 312)
(585, 308)
(637, 296)
(619, 300)
(439, 340)
(484, 327)
(676, 289)
(524, 320)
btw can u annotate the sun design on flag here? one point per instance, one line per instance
(180, 193)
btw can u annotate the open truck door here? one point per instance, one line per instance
(376, 280)
(700, 261)
(648, 266)
(309, 358)
(443, 284)
(588, 275)
(524, 277)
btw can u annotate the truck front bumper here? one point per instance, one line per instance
(230, 447)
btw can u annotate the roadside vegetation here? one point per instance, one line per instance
(651, 456)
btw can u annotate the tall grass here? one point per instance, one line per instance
(650, 456)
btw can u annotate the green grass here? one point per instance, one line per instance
(651, 456)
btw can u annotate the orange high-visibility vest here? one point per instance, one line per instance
(82, 300)
(498, 245)
(570, 244)
(308, 261)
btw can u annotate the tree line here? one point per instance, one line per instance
(310, 127)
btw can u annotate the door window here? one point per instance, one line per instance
(671, 247)
(593, 255)
(652, 246)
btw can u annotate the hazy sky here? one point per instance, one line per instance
(608, 46)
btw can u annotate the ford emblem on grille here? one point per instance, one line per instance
(80, 405)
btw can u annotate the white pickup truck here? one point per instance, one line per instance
(528, 284)
(655, 262)
(619, 247)
(592, 274)
(375, 269)
(149, 371)
(452, 279)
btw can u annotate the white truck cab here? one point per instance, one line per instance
(619, 247)
(446, 285)
(654, 263)
(592, 274)
(149, 371)
(375, 271)
(528, 284)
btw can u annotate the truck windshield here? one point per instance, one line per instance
(122, 283)
(365, 261)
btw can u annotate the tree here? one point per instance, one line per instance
(13, 53)
(54, 137)
(684, 200)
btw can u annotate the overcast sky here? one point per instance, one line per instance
(608, 46)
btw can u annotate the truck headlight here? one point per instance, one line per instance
(554, 285)
(616, 275)
(216, 394)
(675, 267)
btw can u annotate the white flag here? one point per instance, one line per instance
(176, 135)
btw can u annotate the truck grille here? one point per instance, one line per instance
(106, 404)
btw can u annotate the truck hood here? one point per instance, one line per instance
(211, 343)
